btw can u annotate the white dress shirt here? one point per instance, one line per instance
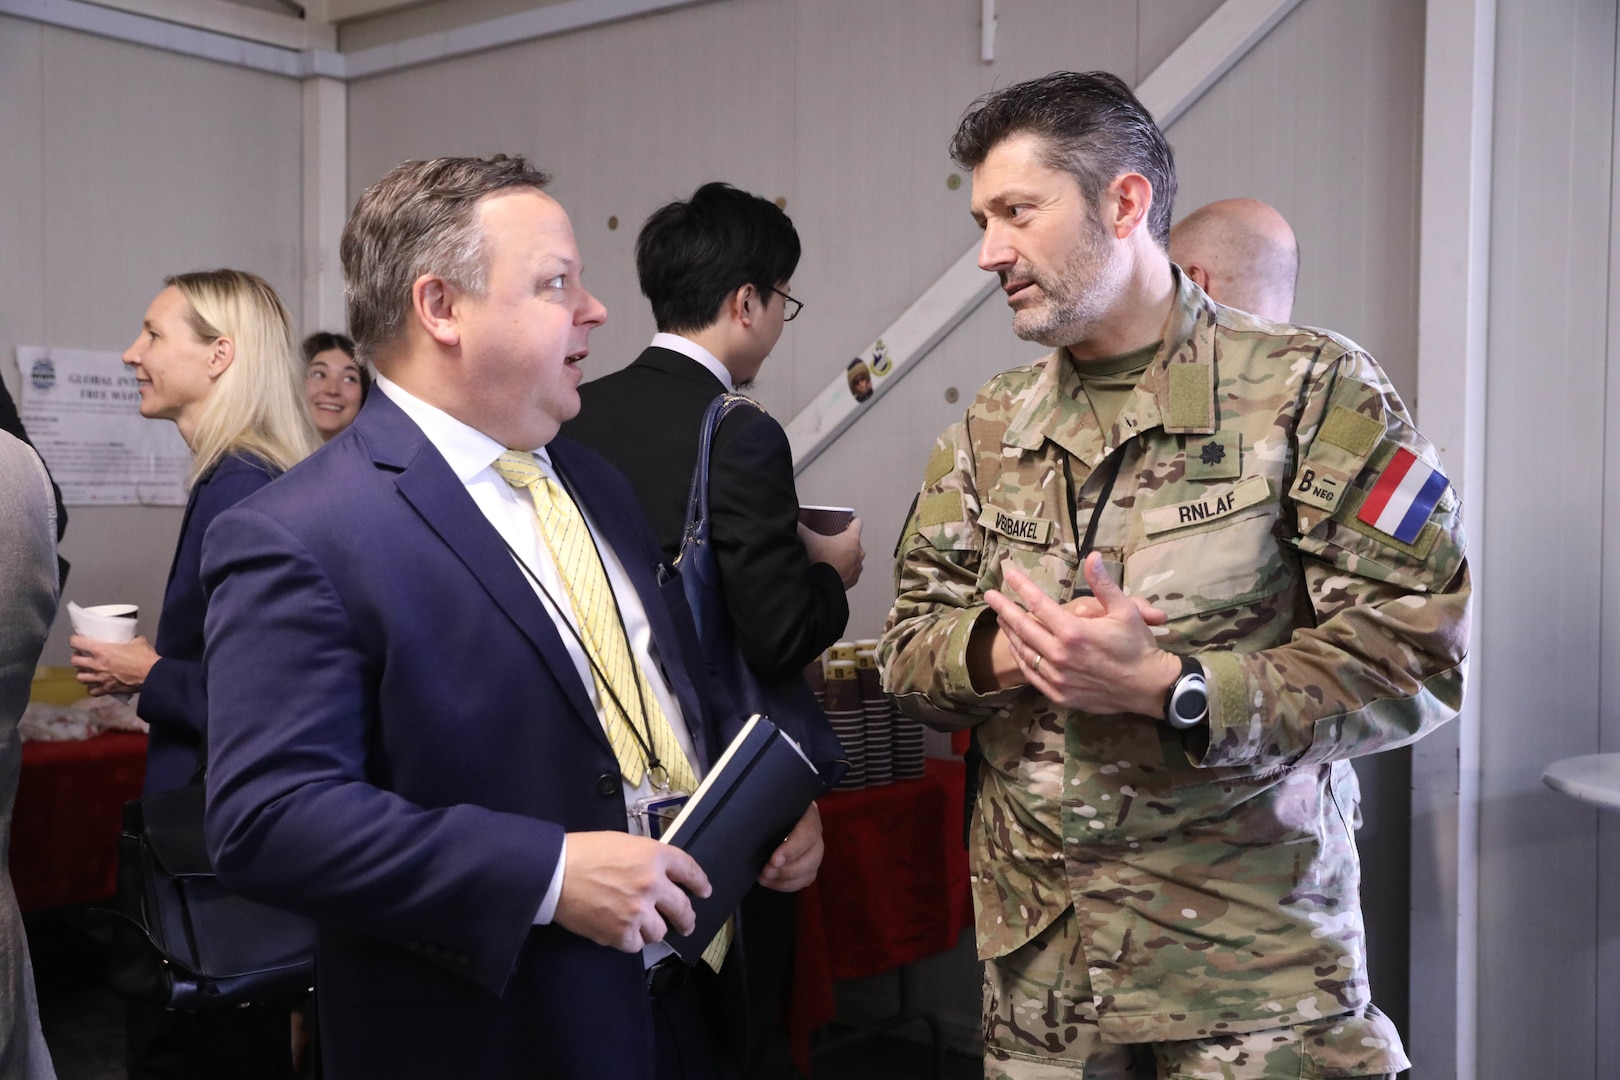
(471, 455)
(686, 347)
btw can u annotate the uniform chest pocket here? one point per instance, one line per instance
(1228, 563)
(1033, 543)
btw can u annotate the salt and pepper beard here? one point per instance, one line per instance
(1074, 299)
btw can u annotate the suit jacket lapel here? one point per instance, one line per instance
(428, 484)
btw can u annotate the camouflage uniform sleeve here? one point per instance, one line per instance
(938, 601)
(1383, 661)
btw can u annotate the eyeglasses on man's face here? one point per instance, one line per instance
(790, 306)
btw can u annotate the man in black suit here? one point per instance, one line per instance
(716, 268)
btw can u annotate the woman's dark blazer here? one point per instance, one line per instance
(174, 701)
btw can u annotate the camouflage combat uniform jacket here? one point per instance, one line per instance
(1215, 880)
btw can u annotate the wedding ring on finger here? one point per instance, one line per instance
(1036, 666)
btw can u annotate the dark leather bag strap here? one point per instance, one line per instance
(696, 531)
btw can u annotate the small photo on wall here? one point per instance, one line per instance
(860, 379)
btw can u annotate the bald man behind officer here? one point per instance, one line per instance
(1242, 253)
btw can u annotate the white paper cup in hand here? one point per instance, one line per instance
(104, 622)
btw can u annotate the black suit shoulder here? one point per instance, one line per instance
(644, 421)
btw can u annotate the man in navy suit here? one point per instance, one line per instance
(406, 729)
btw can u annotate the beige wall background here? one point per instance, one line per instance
(126, 163)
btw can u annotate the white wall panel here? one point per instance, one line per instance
(1161, 26)
(1322, 120)
(1608, 907)
(626, 117)
(876, 112)
(123, 165)
(1544, 865)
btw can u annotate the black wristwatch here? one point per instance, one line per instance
(1187, 703)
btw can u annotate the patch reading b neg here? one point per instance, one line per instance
(1027, 530)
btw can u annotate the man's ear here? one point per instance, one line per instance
(744, 305)
(1199, 275)
(1130, 197)
(433, 305)
(220, 359)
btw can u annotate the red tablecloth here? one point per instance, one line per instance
(893, 889)
(70, 805)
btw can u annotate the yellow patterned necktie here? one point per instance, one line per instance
(619, 679)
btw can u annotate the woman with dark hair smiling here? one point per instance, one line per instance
(335, 383)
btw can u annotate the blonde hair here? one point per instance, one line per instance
(257, 404)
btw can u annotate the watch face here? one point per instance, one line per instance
(1191, 703)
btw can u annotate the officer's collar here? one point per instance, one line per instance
(1176, 392)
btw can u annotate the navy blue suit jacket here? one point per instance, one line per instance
(173, 700)
(398, 742)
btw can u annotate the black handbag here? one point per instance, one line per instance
(790, 704)
(179, 938)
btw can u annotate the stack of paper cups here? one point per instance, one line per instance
(848, 719)
(875, 704)
(907, 741)
(815, 673)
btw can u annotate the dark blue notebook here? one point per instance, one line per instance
(739, 815)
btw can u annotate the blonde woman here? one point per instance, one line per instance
(216, 356)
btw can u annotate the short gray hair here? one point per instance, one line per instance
(420, 219)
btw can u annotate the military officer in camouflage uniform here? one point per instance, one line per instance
(1165, 877)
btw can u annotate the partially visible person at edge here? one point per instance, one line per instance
(1165, 878)
(28, 595)
(216, 356)
(335, 383)
(11, 421)
(1242, 253)
(717, 269)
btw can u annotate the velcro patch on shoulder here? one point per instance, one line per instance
(1349, 430)
(1017, 526)
(1192, 397)
(1210, 507)
(942, 508)
(940, 463)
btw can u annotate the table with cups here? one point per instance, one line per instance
(893, 885)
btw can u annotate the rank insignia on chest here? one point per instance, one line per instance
(1403, 497)
(1216, 456)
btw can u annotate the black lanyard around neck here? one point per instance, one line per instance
(655, 767)
(1112, 467)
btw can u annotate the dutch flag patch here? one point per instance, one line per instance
(1403, 497)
